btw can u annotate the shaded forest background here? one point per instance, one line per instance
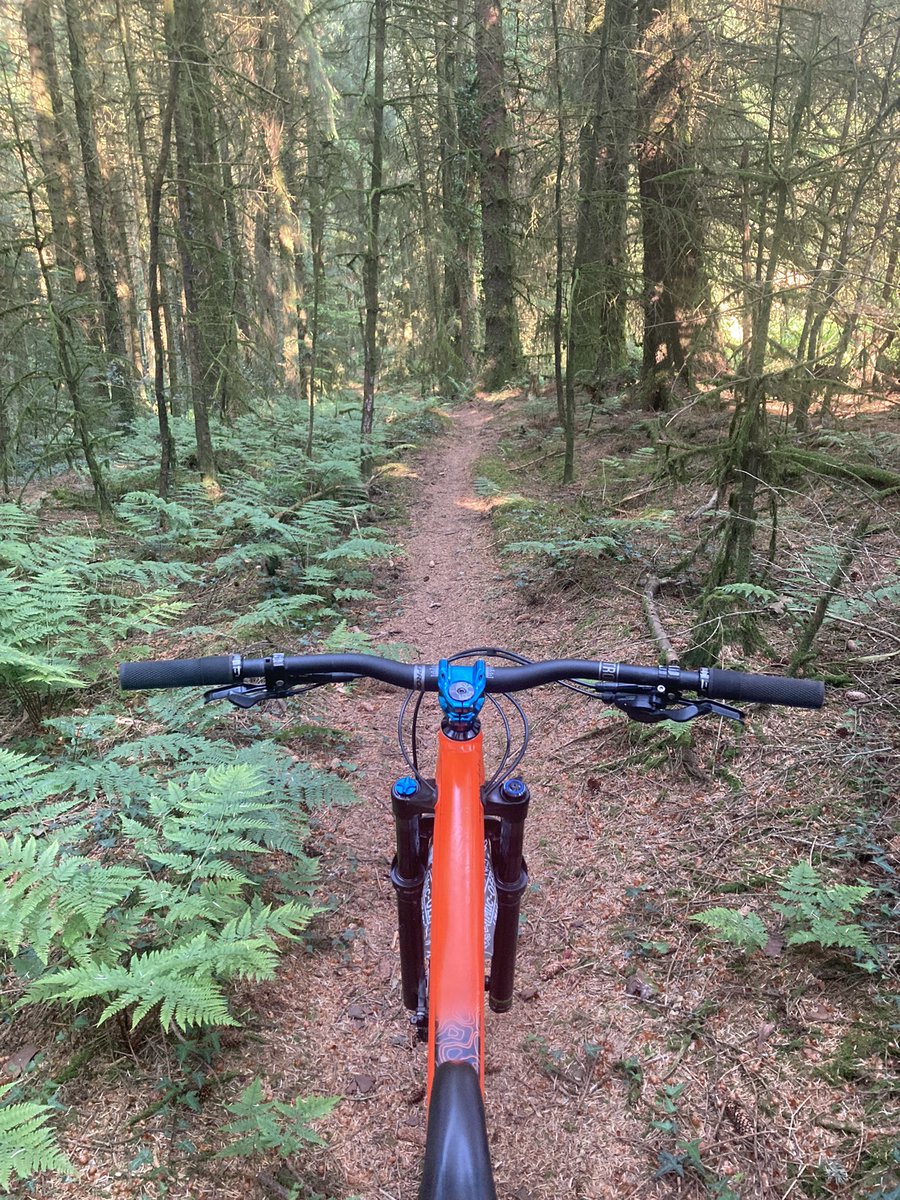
(207, 206)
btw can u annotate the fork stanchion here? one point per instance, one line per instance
(410, 801)
(509, 802)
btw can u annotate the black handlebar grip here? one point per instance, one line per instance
(181, 672)
(765, 689)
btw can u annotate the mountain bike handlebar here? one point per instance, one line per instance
(280, 670)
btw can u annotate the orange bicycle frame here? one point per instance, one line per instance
(456, 980)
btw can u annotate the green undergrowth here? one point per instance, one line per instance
(563, 541)
(151, 848)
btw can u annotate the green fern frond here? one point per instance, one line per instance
(360, 549)
(261, 1126)
(828, 932)
(17, 524)
(745, 932)
(27, 1145)
(278, 610)
(745, 591)
(23, 780)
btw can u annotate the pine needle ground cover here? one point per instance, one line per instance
(744, 957)
(152, 850)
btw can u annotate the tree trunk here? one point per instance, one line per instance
(600, 275)
(202, 235)
(459, 306)
(65, 338)
(96, 187)
(745, 465)
(370, 262)
(565, 398)
(154, 200)
(68, 235)
(289, 184)
(671, 221)
(502, 357)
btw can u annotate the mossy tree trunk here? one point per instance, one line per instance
(746, 462)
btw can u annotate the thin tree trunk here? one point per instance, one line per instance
(671, 223)
(316, 158)
(373, 247)
(459, 308)
(565, 412)
(166, 440)
(290, 189)
(68, 236)
(96, 187)
(65, 338)
(206, 270)
(748, 439)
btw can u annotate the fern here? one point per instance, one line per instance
(746, 932)
(280, 610)
(361, 548)
(260, 1126)
(26, 1144)
(486, 487)
(753, 592)
(812, 912)
(815, 913)
(591, 547)
(176, 916)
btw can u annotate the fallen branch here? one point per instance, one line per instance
(815, 462)
(648, 603)
(654, 487)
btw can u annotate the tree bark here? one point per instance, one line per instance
(65, 338)
(671, 220)
(459, 306)
(373, 247)
(68, 235)
(203, 227)
(601, 277)
(97, 189)
(154, 201)
(502, 356)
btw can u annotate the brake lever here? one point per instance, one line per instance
(242, 696)
(648, 708)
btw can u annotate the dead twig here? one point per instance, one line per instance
(648, 603)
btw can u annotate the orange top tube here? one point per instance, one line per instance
(456, 976)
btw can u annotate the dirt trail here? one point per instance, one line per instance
(452, 595)
(336, 1022)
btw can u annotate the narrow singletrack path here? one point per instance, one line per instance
(333, 1022)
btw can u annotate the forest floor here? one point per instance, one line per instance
(639, 1059)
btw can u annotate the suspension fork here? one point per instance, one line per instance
(413, 803)
(508, 803)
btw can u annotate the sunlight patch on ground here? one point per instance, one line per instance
(397, 470)
(487, 504)
(497, 397)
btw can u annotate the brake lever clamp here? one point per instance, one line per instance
(650, 707)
